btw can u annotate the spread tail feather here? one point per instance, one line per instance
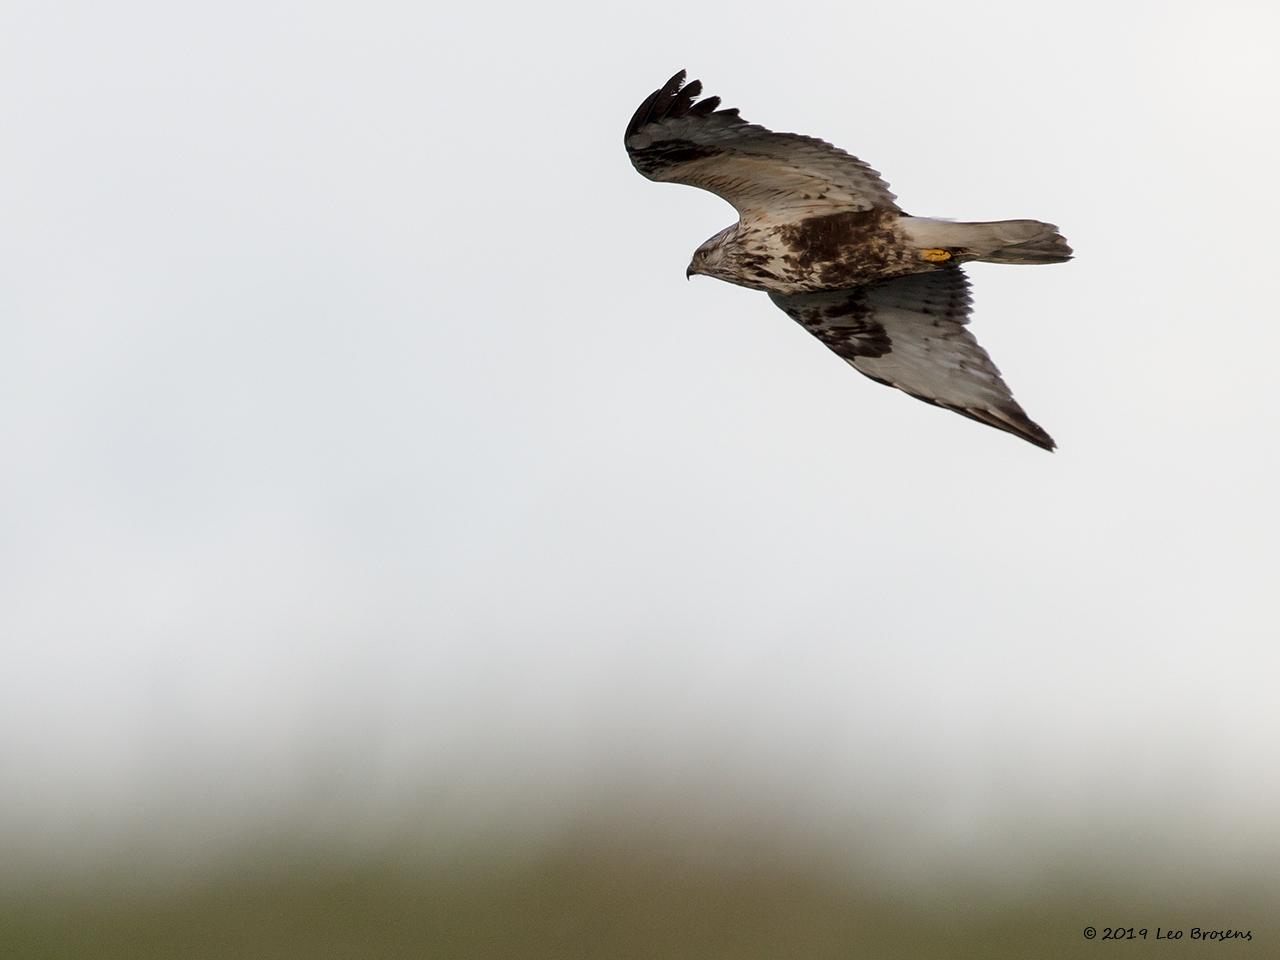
(1000, 241)
(1047, 246)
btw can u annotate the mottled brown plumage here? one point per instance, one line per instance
(821, 233)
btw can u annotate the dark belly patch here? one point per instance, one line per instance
(841, 249)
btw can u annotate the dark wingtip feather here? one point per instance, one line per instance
(1040, 438)
(667, 96)
(704, 107)
(1020, 425)
(675, 99)
(640, 117)
(683, 103)
(1011, 419)
(654, 104)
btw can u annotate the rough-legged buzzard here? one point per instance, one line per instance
(819, 231)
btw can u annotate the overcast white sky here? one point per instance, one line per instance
(358, 416)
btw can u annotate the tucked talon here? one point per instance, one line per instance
(936, 255)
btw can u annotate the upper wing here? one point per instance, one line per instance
(672, 138)
(909, 333)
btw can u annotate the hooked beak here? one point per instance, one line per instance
(689, 272)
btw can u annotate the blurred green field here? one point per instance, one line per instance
(625, 896)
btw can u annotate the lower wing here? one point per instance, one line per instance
(909, 333)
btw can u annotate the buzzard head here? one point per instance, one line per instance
(712, 259)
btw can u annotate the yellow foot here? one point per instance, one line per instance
(936, 255)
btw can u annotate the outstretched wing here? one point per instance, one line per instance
(909, 333)
(674, 139)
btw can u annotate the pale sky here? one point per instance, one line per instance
(359, 419)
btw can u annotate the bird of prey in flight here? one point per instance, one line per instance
(818, 230)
